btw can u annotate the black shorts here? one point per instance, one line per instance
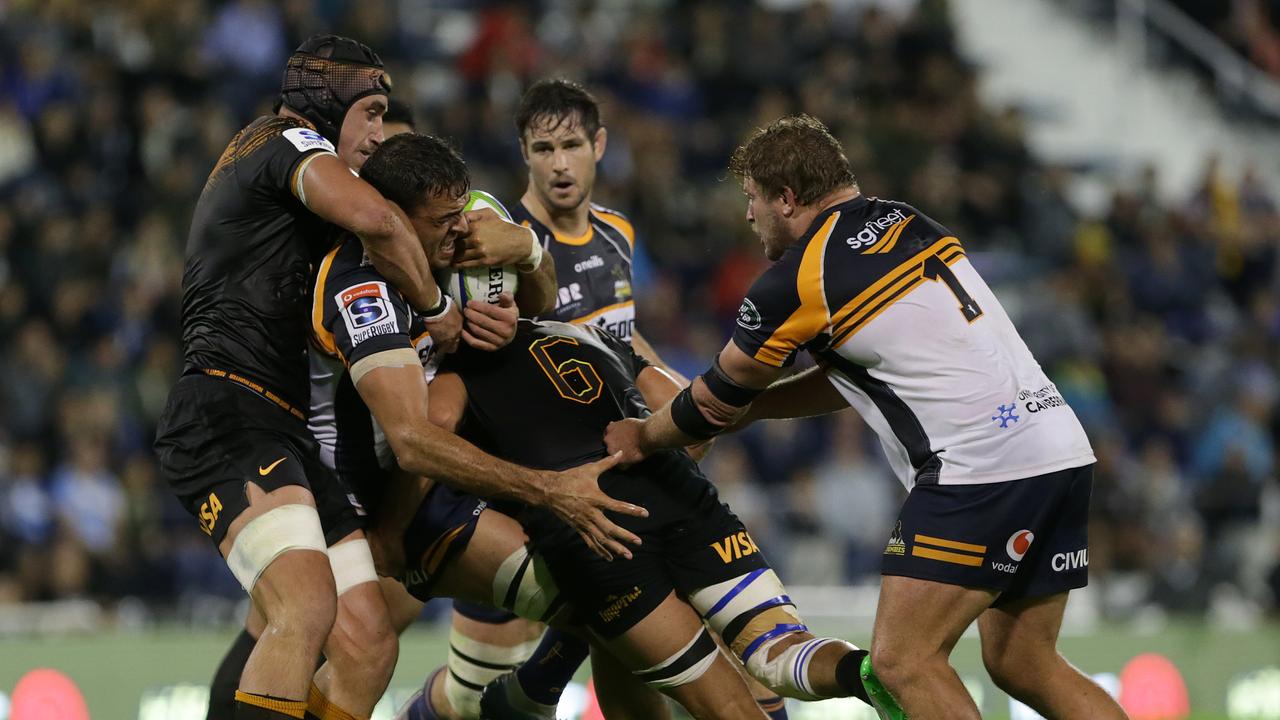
(214, 436)
(1025, 538)
(690, 540)
(439, 531)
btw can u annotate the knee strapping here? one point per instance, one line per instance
(524, 586)
(352, 564)
(473, 664)
(266, 537)
(748, 611)
(685, 666)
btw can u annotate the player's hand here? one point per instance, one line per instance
(575, 496)
(446, 330)
(490, 326)
(623, 438)
(493, 241)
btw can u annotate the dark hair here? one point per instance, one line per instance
(410, 168)
(796, 152)
(550, 103)
(398, 111)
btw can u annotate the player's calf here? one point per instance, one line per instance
(276, 549)
(362, 647)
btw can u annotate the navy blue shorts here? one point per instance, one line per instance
(439, 532)
(1024, 538)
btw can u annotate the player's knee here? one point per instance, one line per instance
(782, 664)
(306, 616)
(895, 664)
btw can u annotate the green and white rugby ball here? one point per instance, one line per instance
(483, 283)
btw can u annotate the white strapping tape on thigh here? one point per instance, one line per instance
(263, 539)
(654, 678)
(352, 564)
(729, 600)
(536, 591)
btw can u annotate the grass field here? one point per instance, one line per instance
(116, 670)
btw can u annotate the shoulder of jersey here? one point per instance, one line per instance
(616, 220)
(883, 228)
(300, 133)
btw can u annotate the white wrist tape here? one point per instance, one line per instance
(266, 537)
(352, 564)
(532, 262)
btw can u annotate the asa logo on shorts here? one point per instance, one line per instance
(209, 511)
(1019, 543)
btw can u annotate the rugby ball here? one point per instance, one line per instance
(483, 283)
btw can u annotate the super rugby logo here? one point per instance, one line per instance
(306, 139)
(748, 316)
(366, 311)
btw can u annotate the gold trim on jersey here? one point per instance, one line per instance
(813, 316)
(608, 308)
(322, 336)
(622, 224)
(886, 243)
(895, 284)
(582, 239)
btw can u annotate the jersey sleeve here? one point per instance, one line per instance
(785, 308)
(358, 315)
(285, 145)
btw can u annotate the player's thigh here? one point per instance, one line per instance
(402, 607)
(671, 650)
(916, 618)
(1021, 633)
(470, 576)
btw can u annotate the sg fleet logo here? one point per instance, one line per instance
(871, 231)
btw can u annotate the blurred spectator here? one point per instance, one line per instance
(1159, 324)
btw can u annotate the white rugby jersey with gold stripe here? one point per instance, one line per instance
(912, 337)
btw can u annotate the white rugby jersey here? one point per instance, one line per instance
(914, 339)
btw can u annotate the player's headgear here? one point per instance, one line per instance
(326, 75)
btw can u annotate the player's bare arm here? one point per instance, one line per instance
(536, 293)
(658, 386)
(805, 394)
(396, 394)
(495, 241)
(707, 407)
(646, 351)
(333, 193)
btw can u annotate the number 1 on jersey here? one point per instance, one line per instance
(935, 269)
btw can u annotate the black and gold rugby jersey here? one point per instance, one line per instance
(593, 271)
(909, 333)
(356, 314)
(248, 266)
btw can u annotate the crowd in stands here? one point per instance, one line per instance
(1159, 321)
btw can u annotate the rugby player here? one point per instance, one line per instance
(579, 379)
(261, 220)
(904, 329)
(232, 441)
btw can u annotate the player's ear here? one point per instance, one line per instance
(524, 149)
(789, 202)
(599, 141)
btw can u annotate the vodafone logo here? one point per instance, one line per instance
(1019, 543)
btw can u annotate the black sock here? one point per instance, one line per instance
(545, 674)
(849, 675)
(222, 693)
